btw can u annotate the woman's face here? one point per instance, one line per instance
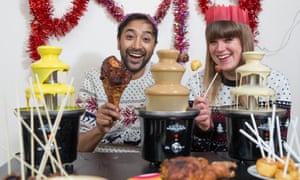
(136, 45)
(226, 52)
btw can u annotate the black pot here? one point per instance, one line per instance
(66, 135)
(239, 146)
(166, 134)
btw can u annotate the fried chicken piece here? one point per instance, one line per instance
(179, 168)
(115, 78)
(223, 169)
(192, 168)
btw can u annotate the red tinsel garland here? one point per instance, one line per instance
(118, 13)
(44, 25)
(253, 7)
(181, 13)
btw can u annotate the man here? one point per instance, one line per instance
(137, 38)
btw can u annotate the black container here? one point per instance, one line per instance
(166, 134)
(66, 135)
(239, 146)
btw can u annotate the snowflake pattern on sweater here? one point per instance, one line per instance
(215, 140)
(92, 95)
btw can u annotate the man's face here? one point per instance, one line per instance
(136, 45)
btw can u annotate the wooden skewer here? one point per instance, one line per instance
(210, 84)
(48, 120)
(7, 137)
(40, 117)
(39, 142)
(21, 141)
(32, 142)
(22, 161)
(55, 127)
(217, 69)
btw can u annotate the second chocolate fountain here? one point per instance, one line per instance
(166, 122)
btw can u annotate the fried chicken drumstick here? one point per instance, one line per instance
(115, 77)
(196, 168)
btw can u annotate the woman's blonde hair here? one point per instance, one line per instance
(224, 29)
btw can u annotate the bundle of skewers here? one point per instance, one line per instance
(47, 143)
(275, 164)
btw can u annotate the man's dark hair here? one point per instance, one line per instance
(138, 16)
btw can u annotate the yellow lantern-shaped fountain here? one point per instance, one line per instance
(45, 72)
(54, 117)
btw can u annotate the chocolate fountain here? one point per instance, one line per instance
(250, 88)
(166, 122)
(47, 94)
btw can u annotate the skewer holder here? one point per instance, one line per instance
(66, 136)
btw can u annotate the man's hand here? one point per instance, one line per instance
(106, 117)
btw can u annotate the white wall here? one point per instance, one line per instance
(95, 38)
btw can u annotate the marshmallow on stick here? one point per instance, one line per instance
(115, 78)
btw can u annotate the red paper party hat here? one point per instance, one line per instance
(226, 13)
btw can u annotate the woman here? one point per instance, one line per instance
(227, 37)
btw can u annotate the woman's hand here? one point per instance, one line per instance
(203, 120)
(106, 117)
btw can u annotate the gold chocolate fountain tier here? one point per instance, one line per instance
(167, 94)
(45, 77)
(166, 122)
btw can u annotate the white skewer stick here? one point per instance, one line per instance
(32, 142)
(21, 142)
(257, 135)
(48, 120)
(21, 160)
(271, 132)
(39, 142)
(273, 125)
(266, 148)
(279, 136)
(288, 148)
(210, 84)
(287, 160)
(40, 116)
(6, 138)
(297, 139)
(55, 128)
(263, 144)
(289, 152)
